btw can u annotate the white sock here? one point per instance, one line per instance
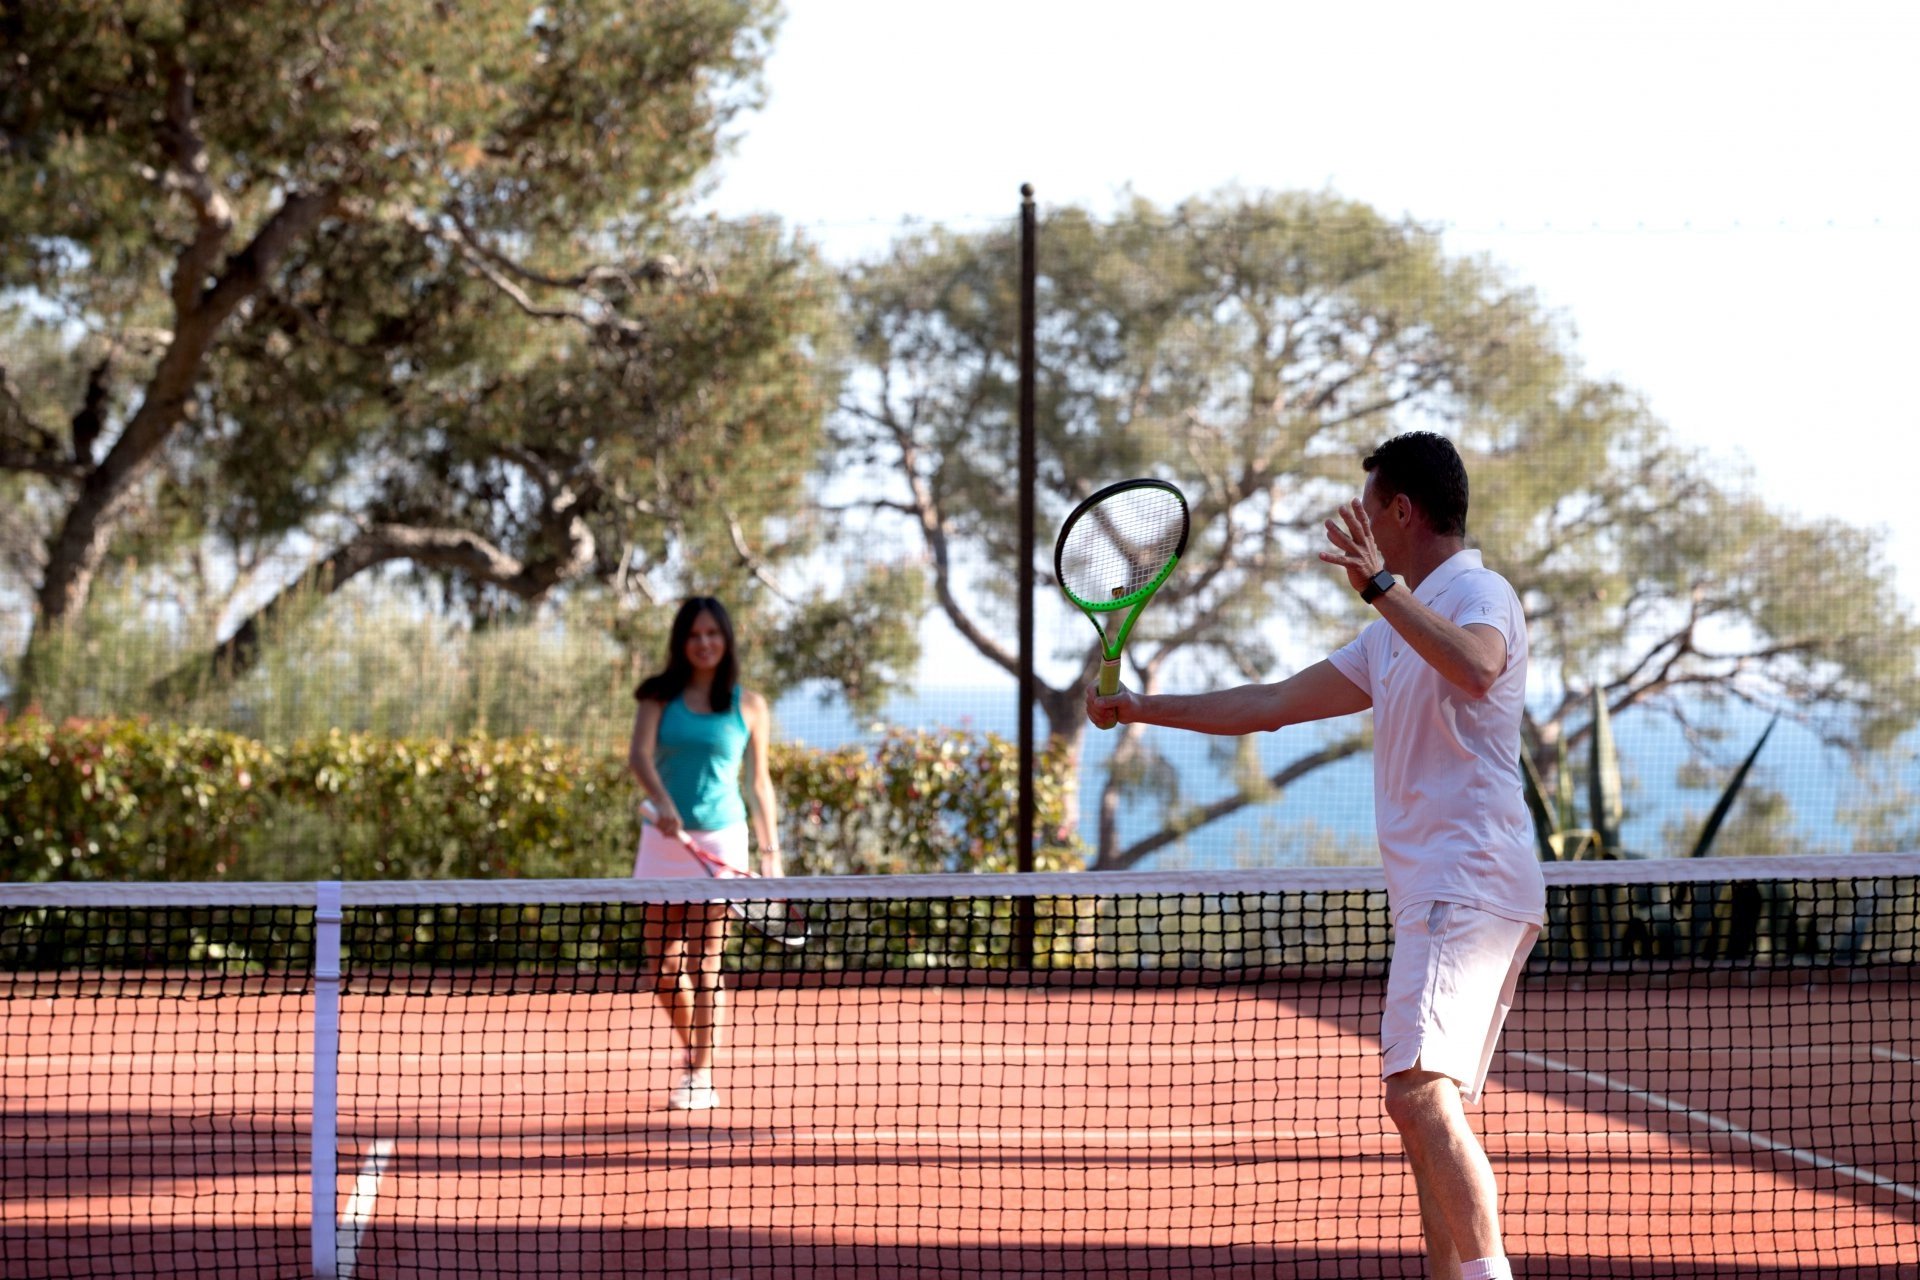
(1486, 1269)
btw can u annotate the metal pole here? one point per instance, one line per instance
(1024, 912)
(323, 1187)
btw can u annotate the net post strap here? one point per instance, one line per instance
(326, 1064)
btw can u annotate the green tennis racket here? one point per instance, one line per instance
(1113, 553)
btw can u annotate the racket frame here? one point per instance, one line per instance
(1113, 641)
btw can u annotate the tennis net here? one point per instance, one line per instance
(1711, 1070)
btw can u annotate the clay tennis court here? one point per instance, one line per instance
(1750, 1124)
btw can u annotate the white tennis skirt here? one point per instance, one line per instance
(664, 857)
(1450, 986)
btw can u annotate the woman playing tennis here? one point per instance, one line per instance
(697, 735)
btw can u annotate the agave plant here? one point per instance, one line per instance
(1601, 922)
(1553, 821)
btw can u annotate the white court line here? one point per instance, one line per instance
(947, 1135)
(827, 1054)
(366, 1188)
(821, 1055)
(961, 1136)
(204, 1064)
(953, 1136)
(1720, 1125)
(378, 1062)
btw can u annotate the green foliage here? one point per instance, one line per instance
(380, 659)
(1605, 805)
(1561, 841)
(1888, 817)
(100, 663)
(1253, 346)
(587, 110)
(920, 802)
(474, 807)
(372, 659)
(1775, 922)
(1710, 829)
(132, 800)
(1653, 572)
(1250, 346)
(857, 636)
(1604, 922)
(122, 800)
(503, 353)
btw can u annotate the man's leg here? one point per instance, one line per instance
(1459, 1201)
(1443, 1260)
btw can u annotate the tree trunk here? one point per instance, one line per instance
(450, 549)
(75, 552)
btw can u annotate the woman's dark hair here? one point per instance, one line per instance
(1427, 468)
(666, 685)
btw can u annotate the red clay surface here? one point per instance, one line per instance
(1728, 1129)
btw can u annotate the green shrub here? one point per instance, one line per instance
(131, 800)
(469, 808)
(124, 800)
(919, 802)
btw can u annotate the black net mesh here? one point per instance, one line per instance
(1699, 1078)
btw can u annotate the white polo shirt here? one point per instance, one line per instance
(1447, 795)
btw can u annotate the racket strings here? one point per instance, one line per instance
(780, 922)
(1120, 545)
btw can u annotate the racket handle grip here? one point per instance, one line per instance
(651, 816)
(1109, 677)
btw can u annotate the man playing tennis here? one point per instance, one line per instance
(1444, 668)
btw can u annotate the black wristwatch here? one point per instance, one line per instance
(1378, 585)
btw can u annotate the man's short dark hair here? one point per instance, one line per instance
(1427, 468)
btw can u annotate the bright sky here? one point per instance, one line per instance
(1720, 198)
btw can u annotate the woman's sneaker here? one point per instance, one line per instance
(695, 1092)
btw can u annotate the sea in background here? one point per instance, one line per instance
(1670, 784)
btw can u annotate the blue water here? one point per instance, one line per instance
(1327, 816)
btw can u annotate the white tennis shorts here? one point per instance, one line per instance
(665, 858)
(1449, 988)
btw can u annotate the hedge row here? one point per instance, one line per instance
(132, 800)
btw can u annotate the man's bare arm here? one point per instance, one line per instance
(1317, 693)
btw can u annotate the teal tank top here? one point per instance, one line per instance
(698, 758)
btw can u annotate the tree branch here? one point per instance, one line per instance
(187, 174)
(91, 417)
(52, 465)
(454, 550)
(644, 271)
(27, 446)
(82, 539)
(751, 562)
(245, 272)
(1198, 816)
(925, 510)
(495, 269)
